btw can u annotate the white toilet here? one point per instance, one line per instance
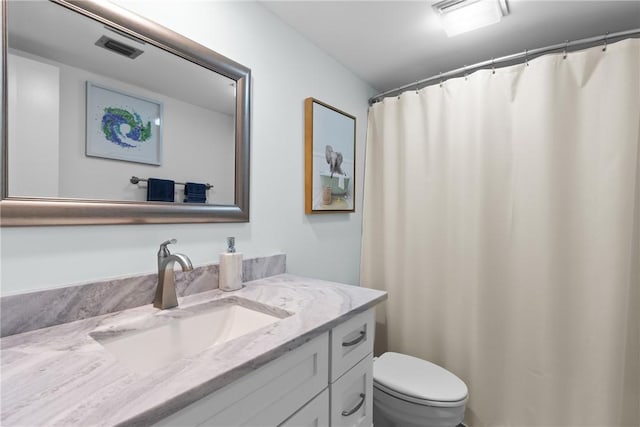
(411, 392)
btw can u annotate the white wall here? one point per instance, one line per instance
(81, 176)
(33, 98)
(286, 69)
(212, 139)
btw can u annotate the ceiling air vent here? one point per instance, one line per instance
(119, 47)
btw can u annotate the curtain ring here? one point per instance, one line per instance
(526, 57)
(604, 48)
(493, 66)
(566, 45)
(441, 80)
(465, 72)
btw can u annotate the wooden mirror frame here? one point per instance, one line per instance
(31, 211)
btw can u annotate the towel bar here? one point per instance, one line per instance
(135, 180)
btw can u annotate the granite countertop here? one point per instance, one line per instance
(61, 376)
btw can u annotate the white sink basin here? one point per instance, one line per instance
(148, 344)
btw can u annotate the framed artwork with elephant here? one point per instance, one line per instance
(330, 158)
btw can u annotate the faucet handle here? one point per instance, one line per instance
(169, 242)
(164, 251)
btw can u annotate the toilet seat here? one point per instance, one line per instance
(418, 381)
(417, 401)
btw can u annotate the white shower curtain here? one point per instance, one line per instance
(502, 215)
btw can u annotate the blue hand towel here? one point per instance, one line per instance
(195, 193)
(160, 190)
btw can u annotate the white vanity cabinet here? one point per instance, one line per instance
(351, 396)
(351, 380)
(313, 414)
(327, 381)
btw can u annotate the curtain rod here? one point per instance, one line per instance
(527, 55)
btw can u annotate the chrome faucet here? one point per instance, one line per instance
(166, 292)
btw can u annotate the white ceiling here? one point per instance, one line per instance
(49, 31)
(392, 43)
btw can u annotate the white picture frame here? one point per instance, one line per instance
(123, 126)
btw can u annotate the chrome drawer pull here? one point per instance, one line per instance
(362, 336)
(358, 406)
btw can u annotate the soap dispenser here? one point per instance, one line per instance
(230, 274)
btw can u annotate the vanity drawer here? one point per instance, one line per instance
(314, 413)
(352, 396)
(351, 342)
(267, 396)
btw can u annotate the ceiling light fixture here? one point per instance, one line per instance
(460, 16)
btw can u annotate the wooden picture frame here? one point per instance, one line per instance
(330, 158)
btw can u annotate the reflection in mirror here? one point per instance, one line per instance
(110, 119)
(61, 146)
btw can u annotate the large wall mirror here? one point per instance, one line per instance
(109, 118)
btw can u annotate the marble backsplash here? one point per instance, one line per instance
(40, 309)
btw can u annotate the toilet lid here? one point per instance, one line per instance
(417, 379)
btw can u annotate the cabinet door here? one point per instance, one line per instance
(313, 414)
(351, 342)
(352, 396)
(266, 396)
